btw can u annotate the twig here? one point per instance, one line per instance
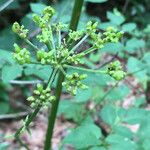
(109, 61)
(125, 6)
(6, 5)
(19, 82)
(14, 116)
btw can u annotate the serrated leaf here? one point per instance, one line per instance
(71, 110)
(128, 27)
(115, 18)
(118, 142)
(123, 131)
(108, 114)
(112, 48)
(6, 56)
(134, 116)
(84, 136)
(37, 7)
(11, 72)
(136, 67)
(83, 95)
(119, 93)
(134, 44)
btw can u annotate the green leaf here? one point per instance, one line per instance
(134, 116)
(71, 110)
(108, 114)
(11, 72)
(37, 7)
(38, 71)
(6, 56)
(4, 146)
(116, 18)
(96, 1)
(128, 27)
(118, 142)
(118, 93)
(134, 44)
(146, 144)
(138, 68)
(83, 95)
(105, 25)
(84, 136)
(123, 131)
(140, 101)
(7, 39)
(146, 58)
(4, 107)
(112, 48)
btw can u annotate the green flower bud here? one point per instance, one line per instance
(118, 75)
(16, 27)
(31, 99)
(17, 48)
(49, 10)
(91, 27)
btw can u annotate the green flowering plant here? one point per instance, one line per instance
(60, 52)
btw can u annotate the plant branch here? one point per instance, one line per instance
(79, 43)
(52, 116)
(32, 45)
(87, 70)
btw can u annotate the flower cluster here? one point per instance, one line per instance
(43, 20)
(44, 36)
(41, 97)
(22, 56)
(45, 57)
(91, 27)
(111, 35)
(75, 35)
(75, 59)
(61, 51)
(18, 29)
(98, 40)
(74, 82)
(115, 70)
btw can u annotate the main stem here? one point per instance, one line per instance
(52, 116)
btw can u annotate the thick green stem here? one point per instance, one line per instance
(52, 116)
(76, 14)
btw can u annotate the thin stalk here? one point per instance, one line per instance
(31, 44)
(59, 38)
(86, 70)
(52, 116)
(52, 39)
(79, 43)
(62, 70)
(23, 144)
(89, 51)
(31, 117)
